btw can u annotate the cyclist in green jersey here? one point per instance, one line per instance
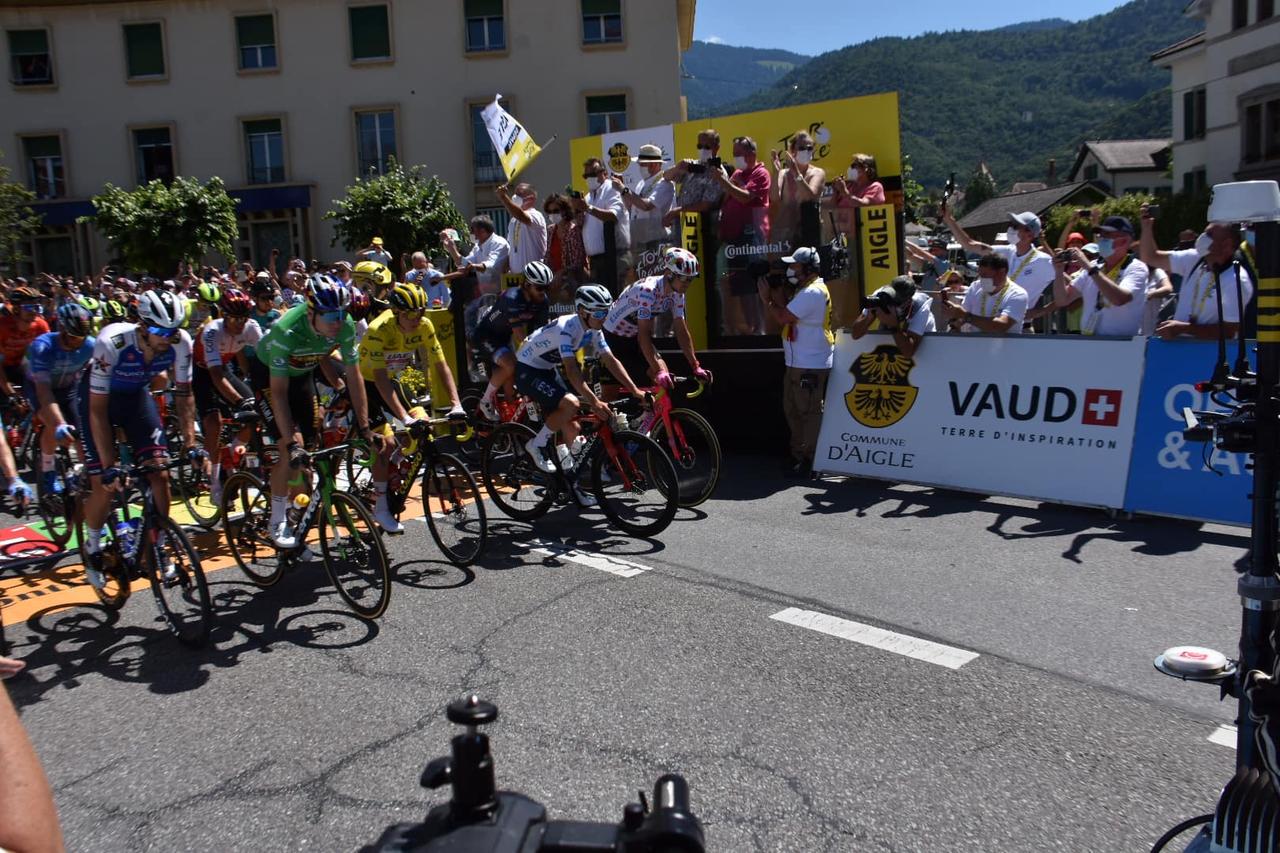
(282, 373)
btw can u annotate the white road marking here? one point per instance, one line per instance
(869, 635)
(601, 562)
(1224, 735)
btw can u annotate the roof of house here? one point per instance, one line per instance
(1125, 155)
(1178, 46)
(995, 211)
(1028, 186)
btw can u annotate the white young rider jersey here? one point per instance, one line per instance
(1033, 272)
(643, 300)
(1198, 296)
(215, 346)
(1010, 299)
(119, 364)
(558, 340)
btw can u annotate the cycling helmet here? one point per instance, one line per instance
(162, 309)
(536, 272)
(235, 303)
(593, 298)
(372, 272)
(113, 311)
(682, 262)
(209, 292)
(75, 320)
(360, 305)
(90, 304)
(262, 288)
(24, 294)
(326, 293)
(407, 297)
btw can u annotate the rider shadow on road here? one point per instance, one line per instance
(515, 543)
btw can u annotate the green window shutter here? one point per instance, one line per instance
(255, 30)
(265, 125)
(607, 103)
(42, 146)
(370, 32)
(144, 50)
(602, 7)
(483, 8)
(28, 41)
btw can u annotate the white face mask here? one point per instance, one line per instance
(988, 284)
(740, 162)
(704, 154)
(793, 276)
(1203, 244)
(1012, 236)
(804, 157)
(593, 183)
(555, 219)
(854, 174)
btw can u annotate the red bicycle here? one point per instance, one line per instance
(688, 439)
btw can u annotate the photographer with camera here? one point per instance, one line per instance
(900, 309)
(808, 345)
(1112, 286)
(994, 303)
(700, 190)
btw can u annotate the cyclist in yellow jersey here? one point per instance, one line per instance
(388, 347)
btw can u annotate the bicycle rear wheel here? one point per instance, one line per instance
(194, 487)
(357, 467)
(246, 514)
(637, 487)
(183, 598)
(354, 556)
(516, 484)
(454, 508)
(115, 592)
(694, 451)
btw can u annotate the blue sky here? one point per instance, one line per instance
(815, 28)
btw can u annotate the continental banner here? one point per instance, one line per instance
(1050, 419)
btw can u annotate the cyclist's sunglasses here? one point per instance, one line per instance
(543, 288)
(161, 332)
(599, 315)
(32, 307)
(332, 316)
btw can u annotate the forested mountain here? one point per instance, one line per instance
(1012, 98)
(719, 74)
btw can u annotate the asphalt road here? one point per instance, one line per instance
(304, 727)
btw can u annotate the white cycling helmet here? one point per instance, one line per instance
(593, 298)
(681, 262)
(162, 309)
(536, 272)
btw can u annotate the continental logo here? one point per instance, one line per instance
(619, 157)
(882, 392)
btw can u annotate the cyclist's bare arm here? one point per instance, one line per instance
(445, 374)
(685, 339)
(620, 373)
(644, 336)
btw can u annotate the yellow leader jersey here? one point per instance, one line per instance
(386, 346)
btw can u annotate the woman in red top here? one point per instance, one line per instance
(18, 328)
(566, 254)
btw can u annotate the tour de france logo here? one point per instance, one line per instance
(882, 392)
(619, 157)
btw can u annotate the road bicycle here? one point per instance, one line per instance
(451, 500)
(62, 511)
(194, 485)
(351, 547)
(142, 543)
(689, 440)
(631, 477)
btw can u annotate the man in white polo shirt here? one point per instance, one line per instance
(1029, 268)
(1113, 288)
(992, 304)
(1208, 278)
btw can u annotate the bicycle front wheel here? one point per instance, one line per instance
(246, 514)
(516, 484)
(636, 485)
(354, 556)
(694, 450)
(194, 487)
(454, 509)
(358, 468)
(178, 582)
(56, 508)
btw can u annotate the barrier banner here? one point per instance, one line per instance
(1042, 418)
(1167, 475)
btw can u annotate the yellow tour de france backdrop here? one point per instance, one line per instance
(840, 128)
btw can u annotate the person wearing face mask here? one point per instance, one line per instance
(648, 203)
(796, 191)
(606, 231)
(1112, 288)
(566, 254)
(1209, 274)
(860, 185)
(808, 346)
(527, 230)
(700, 190)
(994, 303)
(902, 310)
(1030, 268)
(744, 234)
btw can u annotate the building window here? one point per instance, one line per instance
(486, 29)
(29, 61)
(370, 33)
(256, 39)
(1091, 172)
(1266, 9)
(1262, 131)
(1193, 114)
(1239, 14)
(606, 114)
(375, 141)
(486, 167)
(46, 175)
(1195, 182)
(601, 21)
(264, 150)
(153, 154)
(144, 50)
(500, 216)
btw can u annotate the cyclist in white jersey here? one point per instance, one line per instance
(558, 344)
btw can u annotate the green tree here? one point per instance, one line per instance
(1176, 213)
(404, 207)
(981, 187)
(17, 219)
(914, 200)
(157, 225)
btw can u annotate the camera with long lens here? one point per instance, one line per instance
(480, 818)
